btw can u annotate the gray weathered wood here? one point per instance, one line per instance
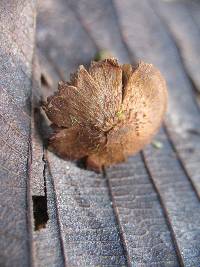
(186, 36)
(188, 145)
(100, 21)
(46, 248)
(88, 226)
(143, 222)
(46, 243)
(181, 25)
(178, 199)
(17, 30)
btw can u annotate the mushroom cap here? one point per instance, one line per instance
(108, 112)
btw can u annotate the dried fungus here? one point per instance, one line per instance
(106, 113)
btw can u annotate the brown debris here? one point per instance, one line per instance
(107, 113)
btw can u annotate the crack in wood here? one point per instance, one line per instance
(181, 162)
(165, 213)
(40, 209)
(56, 206)
(116, 214)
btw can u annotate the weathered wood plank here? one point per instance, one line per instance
(187, 37)
(88, 226)
(178, 198)
(37, 146)
(185, 33)
(45, 241)
(16, 51)
(47, 247)
(194, 8)
(146, 233)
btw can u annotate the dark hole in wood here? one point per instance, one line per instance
(40, 212)
(44, 80)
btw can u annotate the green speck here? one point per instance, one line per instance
(120, 114)
(96, 148)
(157, 144)
(102, 54)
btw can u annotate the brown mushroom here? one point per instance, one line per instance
(107, 113)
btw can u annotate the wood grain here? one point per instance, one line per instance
(179, 201)
(141, 217)
(88, 227)
(186, 36)
(16, 52)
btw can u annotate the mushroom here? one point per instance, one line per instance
(106, 113)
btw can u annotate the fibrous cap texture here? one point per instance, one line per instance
(107, 112)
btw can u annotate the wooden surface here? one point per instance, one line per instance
(16, 52)
(143, 212)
